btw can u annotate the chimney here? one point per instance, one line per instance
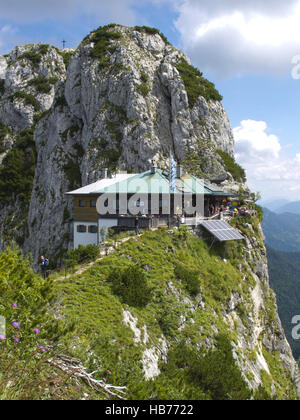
(179, 171)
(153, 168)
(104, 173)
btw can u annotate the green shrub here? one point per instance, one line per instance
(144, 77)
(18, 168)
(78, 147)
(236, 170)
(61, 102)
(25, 300)
(259, 212)
(41, 84)
(261, 394)
(3, 132)
(35, 56)
(143, 89)
(39, 116)
(2, 89)
(43, 49)
(189, 277)
(82, 254)
(151, 31)
(204, 375)
(73, 173)
(196, 85)
(2, 146)
(192, 163)
(27, 97)
(53, 80)
(183, 232)
(168, 318)
(130, 284)
(102, 38)
(217, 373)
(67, 216)
(111, 157)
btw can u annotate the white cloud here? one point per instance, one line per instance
(268, 169)
(237, 36)
(253, 143)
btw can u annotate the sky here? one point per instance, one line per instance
(249, 49)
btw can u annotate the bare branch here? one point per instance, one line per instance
(73, 368)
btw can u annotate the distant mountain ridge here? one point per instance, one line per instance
(282, 231)
(292, 207)
(280, 206)
(274, 204)
(284, 272)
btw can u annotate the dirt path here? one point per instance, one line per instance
(103, 254)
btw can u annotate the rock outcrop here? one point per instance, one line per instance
(120, 103)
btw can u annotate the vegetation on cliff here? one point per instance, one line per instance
(237, 172)
(176, 302)
(176, 314)
(196, 85)
(17, 169)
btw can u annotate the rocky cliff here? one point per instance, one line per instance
(123, 98)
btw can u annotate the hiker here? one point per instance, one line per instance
(137, 225)
(179, 219)
(44, 264)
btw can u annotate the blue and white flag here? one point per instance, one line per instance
(172, 173)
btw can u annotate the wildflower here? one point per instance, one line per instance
(2, 337)
(42, 349)
(15, 305)
(16, 325)
(16, 339)
(36, 331)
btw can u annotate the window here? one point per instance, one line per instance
(81, 203)
(93, 229)
(93, 203)
(81, 228)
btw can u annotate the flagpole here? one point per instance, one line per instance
(170, 176)
(171, 184)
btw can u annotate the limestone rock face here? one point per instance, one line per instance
(3, 67)
(259, 326)
(119, 109)
(30, 74)
(28, 78)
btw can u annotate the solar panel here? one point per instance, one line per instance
(221, 230)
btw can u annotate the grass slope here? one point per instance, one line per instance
(169, 286)
(175, 312)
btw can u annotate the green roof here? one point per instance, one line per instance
(158, 183)
(145, 183)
